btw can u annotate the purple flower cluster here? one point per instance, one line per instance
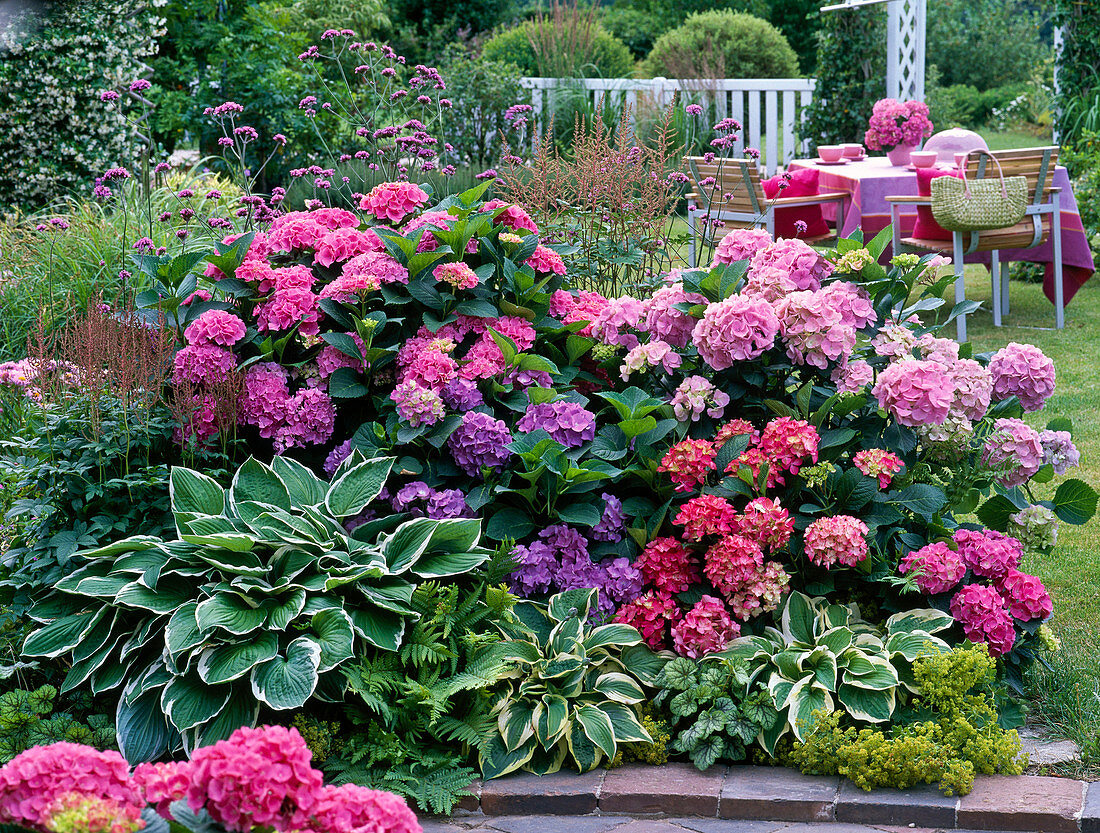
(612, 522)
(420, 500)
(568, 423)
(480, 441)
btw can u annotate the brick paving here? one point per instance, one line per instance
(677, 798)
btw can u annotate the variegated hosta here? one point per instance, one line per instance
(572, 689)
(826, 657)
(262, 597)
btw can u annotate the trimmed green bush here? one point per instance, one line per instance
(597, 53)
(722, 44)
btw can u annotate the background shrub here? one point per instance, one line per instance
(482, 90)
(55, 133)
(566, 47)
(723, 44)
(1078, 68)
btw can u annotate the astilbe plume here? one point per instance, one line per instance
(839, 538)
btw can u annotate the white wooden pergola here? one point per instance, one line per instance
(905, 44)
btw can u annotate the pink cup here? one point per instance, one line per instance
(959, 159)
(852, 151)
(830, 153)
(923, 158)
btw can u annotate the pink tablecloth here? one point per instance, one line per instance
(873, 179)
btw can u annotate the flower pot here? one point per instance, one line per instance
(899, 155)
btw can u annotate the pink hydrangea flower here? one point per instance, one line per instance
(430, 368)
(938, 568)
(416, 404)
(761, 592)
(785, 445)
(618, 315)
(652, 615)
(820, 326)
(877, 462)
(894, 341)
(973, 388)
(651, 354)
(215, 326)
(731, 562)
(393, 201)
(32, 781)
(915, 392)
(765, 521)
(695, 396)
(334, 218)
(263, 402)
(985, 618)
(735, 428)
(329, 360)
(688, 462)
(343, 244)
(840, 538)
(798, 262)
(1027, 597)
(1059, 452)
(852, 377)
(546, 260)
(706, 515)
(894, 123)
(735, 330)
(78, 813)
(350, 808)
(585, 306)
(1023, 371)
(1015, 449)
(705, 629)
(287, 308)
(988, 553)
(161, 784)
(257, 778)
(668, 566)
(512, 216)
(309, 419)
(741, 244)
(458, 275)
(662, 320)
(200, 363)
(942, 350)
(295, 232)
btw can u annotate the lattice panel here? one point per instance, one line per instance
(905, 49)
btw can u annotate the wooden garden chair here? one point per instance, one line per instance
(1042, 222)
(747, 206)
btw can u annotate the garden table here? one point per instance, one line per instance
(871, 180)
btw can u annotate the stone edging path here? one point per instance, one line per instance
(1018, 803)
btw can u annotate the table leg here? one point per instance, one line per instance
(995, 282)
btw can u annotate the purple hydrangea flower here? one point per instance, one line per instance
(448, 503)
(336, 457)
(532, 574)
(480, 441)
(407, 495)
(462, 394)
(1059, 450)
(527, 378)
(623, 581)
(611, 523)
(566, 422)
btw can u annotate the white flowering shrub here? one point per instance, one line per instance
(55, 133)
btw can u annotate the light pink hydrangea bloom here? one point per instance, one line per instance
(741, 244)
(735, 330)
(915, 392)
(393, 201)
(1023, 371)
(1014, 445)
(215, 326)
(663, 321)
(840, 538)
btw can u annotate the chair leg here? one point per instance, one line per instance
(960, 284)
(995, 281)
(1059, 294)
(1004, 289)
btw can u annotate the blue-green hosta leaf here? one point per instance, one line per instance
(391, 594)
(255, 481)
(83, 669)
(108, 676)
(798, 618)
(619, 687)
(356, 488)
(496, 759)
(803, 699)
(231, 660)
(789, 663)
(381, 628)
(286, 682)
(404, 546)
(281, 612)
(644, 663)
(552, 721)
(872, 705)
(585, 753)
(230, 561)
(231, 613)
(305, 488)
(566, 636)
(332, 630)
(62, 635)
(96, 638)
(625, 722)
(171, 592)
(923, 619)
(597, 727)
(182, 631)
(188, 701)
(191, 491)
(142, 729)
(432, 565)
(614, 635)
(913, 645)
(837, 639)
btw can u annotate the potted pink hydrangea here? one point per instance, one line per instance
(898, 128)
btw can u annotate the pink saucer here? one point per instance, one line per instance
(820, 161)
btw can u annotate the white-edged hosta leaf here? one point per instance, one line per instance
(305, 488)
(619, 687)
(188, 701)
(332, 630)
(625, 722)
(286, 682)
(231, 660)
(255, 481)
(353, 490)
(182, 632)
(381, 628)
(171, 592)
(597, 727)
(229, 612)
(404, 546)
(928, 620)
(191, 491)
(283, 611)
(497, 760)
(872, 705)
(62, 635)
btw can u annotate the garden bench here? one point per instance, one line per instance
(1042, 222)
(746, 206)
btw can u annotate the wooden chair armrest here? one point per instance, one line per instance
(691, 196)
(787, 202)
(911, 199)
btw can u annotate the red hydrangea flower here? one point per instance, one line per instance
(732, 562)
(877, 462)
(765, 521)
(688, 462)
(652, 615)
(706, 515)
(668, 566)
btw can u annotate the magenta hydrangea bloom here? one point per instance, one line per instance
(741, 244)
(735, 330)
(704, 629)
(1023, 371)
(163, 783)
(984, 616)
(988, 553)
(938, 568)
(295, 232)
(215, 326)
(264, 401)
(480, 441)
(668, 566)
(512, 216)
(350, 808)
(287, 308)
(1014, 449)
(309, 420)
(652, 615)
(1027, 597)
(915, 392)
(840, 538)
(393, 201)
(33, 781)
(199, 363)
(343, 244)
(568, 423)
(766, 522)
(546, 260)
(731, 562)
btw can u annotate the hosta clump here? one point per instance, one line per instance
(950, 732)
(715, 708)
(824, 656)
(256, 604)
(572, 690)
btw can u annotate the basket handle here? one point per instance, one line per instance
(1000, 171)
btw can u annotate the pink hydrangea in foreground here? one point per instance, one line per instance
(215, 326)
(350, 808)
(732, 562)
(1023, 371)
(973, 388)
(345, 243)
(766, 522)
(651, 615)
(1027, 597)
(735, 330)
(512, 216)
(79, 813)
(393, 201)
(257, 778)
(545, 260)
(988, 553)
(161, 784)
(852, 377)
(1014, 449)
(32, 781)
(663, 321)
(938, 567)
(840, 538)
(984, 616)
(798, 262)
(915, 392)
(741, 244)
(458, 275)
(877, 462)
(706, 515)
(705, 628)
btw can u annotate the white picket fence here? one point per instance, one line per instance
(771, 110)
